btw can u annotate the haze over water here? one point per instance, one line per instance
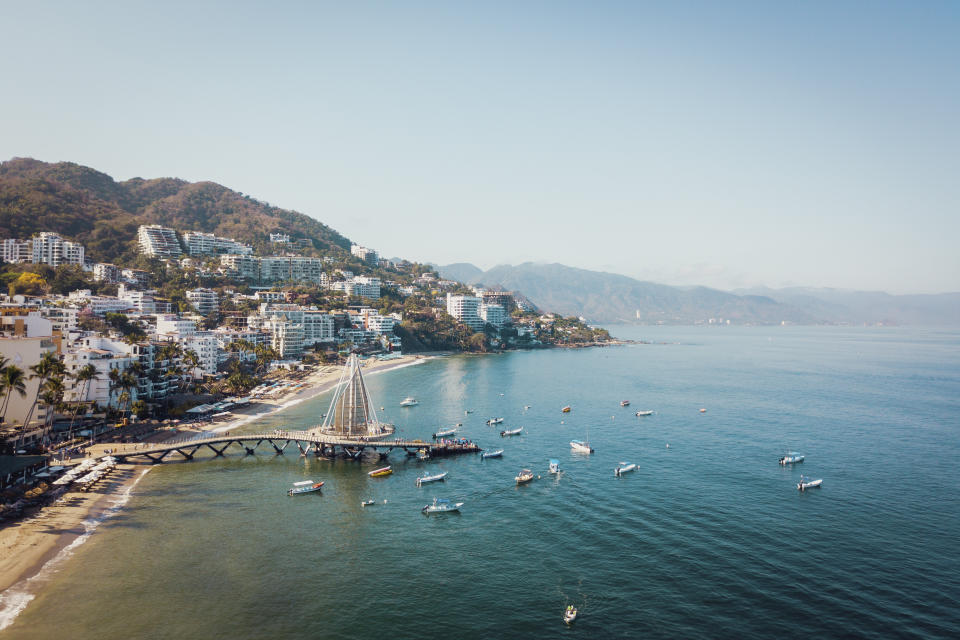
(709, 538)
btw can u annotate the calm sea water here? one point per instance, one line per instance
(709, 538)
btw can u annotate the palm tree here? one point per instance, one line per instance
(48, 367)
(52, 396)
(12, 378)
(84, 375)
(192, 361)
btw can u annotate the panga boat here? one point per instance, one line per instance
(409, 402)
(645, 412)
(494, 420)
(382, 471)
(554, 466)
(423, 454)
(425, 478)
(807, 483)
(367, 503)
(624, 403)
(443, 433)
(580, 446)
(570, 614)
(624, 467)
(307, 486)
(492, 454)
(441, 505)
(524, 476)
(511, 432)
(791, 457)
(566, 409)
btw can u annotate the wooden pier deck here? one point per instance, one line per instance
(321, 445)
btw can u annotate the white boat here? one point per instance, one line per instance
(624, 467)
(494, 420)
(645, 412)
(367, 503)
(807, 483)
(791, 457)
(443, 433)
(307, 486)
(425, 478)
(554, 466)
(624, 403)
(580, 446)
(492, 454)
(409, 402)
(441, 505)
(511, 432)
(524, 476)
(570, 614)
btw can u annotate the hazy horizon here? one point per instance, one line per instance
(728, 146)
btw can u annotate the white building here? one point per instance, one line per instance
(17, 251)
(493, 314)
(174, 324)
(290, 269)
(208, 244)
(365, 254)
(279, 238)
(270, 296)
(203, 300)
(106, 272)
(206, 344)
(381, 325)
(98, 305)
(243, 267)
(51, 249)
(158, 241)
(286, 337)
(137, 277)
(318, 327)
(104, 354)
(466, 309)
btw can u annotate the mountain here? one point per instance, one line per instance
(91, 207)
(460, 271)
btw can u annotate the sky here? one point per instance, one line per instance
(726, 144)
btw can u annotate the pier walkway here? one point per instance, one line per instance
(322, 445)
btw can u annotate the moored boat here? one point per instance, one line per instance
(580, 446)
(624, 403)
(423, 454)
(427, 477)
(443, 433)
(525, 476)
(644, 412)
(791, 457)
(570, 614)
(511, 432)
(441, 505)
(492, 454)
(367, 503)
(306, 486)
(409, 402)
(554, 465)
(566, 409)
(494, 420)
(624, 467)
(807, 483)
(382, 471)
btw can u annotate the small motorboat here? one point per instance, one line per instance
(566, 409)
(645, 412)
(307, 486)
(409, 402)
(554, 466)
(791, 457)
(624, 403)
(624, 467)
(467, 411)
(524, 476)
(443, 433)
(494, 420)
(427, 477)
(382, 471)
(703, 410)
(525, 407)
(423, 454)
(570, 614)
(367, 503)
(580, 446)
(511, 432)
(441, 505)
(807, 483)
(492, 454)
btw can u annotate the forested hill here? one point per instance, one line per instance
(91, 207)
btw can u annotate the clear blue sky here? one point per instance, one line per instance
(718, 143)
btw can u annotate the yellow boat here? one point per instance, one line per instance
(566, 409)
(383, 471)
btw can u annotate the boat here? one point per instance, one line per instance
(791, 457)
(443, 433)
(492, 454)
(645, 412)
(426, 477)
(423, 454)
(511, 432)
(524, 476)
(624, 403)
(566, 409)
(409, 402)
(624, 467)
(441, 505)
(494, 420)
(807, 483)
(467, 411)
(554, 466)
(382, 471)
(307, 486)
(570, 614)
(367, 503)
(703, 410)
(580, 446)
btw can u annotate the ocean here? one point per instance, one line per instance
(708, 538)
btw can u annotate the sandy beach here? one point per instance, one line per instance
(31, 545)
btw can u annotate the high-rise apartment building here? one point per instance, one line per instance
(159, 242)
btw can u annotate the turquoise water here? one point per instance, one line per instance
(708, 538)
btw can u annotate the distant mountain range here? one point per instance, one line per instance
(608, 297)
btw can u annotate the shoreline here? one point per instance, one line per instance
(36, 546)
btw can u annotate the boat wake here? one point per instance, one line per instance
(16, 598)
